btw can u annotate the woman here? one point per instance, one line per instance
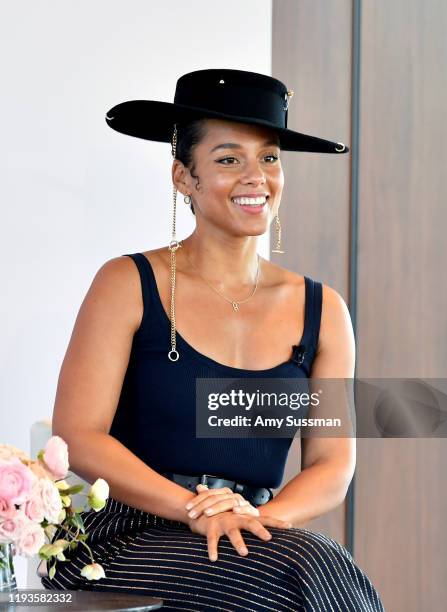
(126, 398)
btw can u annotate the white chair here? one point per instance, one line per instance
(40, 433)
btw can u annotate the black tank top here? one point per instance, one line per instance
(156, 413)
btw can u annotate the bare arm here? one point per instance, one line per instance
(328, 463)
(89, 388)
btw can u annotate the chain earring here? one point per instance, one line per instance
(277, 249)
(173, 246)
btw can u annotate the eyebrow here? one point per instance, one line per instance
(234, 145)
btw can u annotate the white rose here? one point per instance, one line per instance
(98, 494)
(94, 571)
(7, 452)
(51, 500)
(34, 506)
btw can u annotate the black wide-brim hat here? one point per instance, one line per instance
(235, 95)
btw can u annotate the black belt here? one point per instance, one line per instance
(255, 495)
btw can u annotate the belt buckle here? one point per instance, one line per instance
(204, 478)
(239, 488)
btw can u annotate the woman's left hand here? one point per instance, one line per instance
(212, 501)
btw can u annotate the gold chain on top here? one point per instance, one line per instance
(173, 246)
(234, 303)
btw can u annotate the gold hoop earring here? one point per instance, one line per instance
(187, 199)
(277, 249)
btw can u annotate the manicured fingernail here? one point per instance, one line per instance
(289, 524)
(243, 550)
(192, 513)
(209, 511)
(213, 557)
(188, 505)
(237, 509)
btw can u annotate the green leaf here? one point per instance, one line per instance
(71, 520)
(62, 542)
(74, 489)
(66, 500)
(73, 545)
(83, 536)
(45, 551)
(79, 522)
(52, 572)
(49, 531)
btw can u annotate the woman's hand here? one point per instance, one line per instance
(213, 501)
(230, 524)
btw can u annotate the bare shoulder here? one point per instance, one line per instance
(336, 325)
(335, 356)
(120, 275)
(158, 257)
(334, 314)
(279, 277)
(117, 286)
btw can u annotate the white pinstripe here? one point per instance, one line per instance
(296, 570)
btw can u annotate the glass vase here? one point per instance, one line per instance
(7, 574)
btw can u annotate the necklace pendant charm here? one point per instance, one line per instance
(235, 306)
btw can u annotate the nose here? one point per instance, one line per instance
(253, 173)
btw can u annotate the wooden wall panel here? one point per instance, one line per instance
(402, 291)
(312, 55)
(371, 224)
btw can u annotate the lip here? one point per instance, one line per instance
(253, 210)
(251, 195)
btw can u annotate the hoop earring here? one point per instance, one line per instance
(277, 249)
(187, 199)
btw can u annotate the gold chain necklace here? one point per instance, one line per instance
(235, 304)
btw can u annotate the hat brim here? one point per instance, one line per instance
(154, 120)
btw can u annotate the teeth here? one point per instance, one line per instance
(250, 201)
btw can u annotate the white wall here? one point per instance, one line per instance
(74, 193)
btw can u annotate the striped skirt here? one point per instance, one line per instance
(297, 570)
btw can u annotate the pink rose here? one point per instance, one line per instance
(16, 481)
(56, 456)
(7, 510)
(31, 538)
(39, 470)
(51, 500)
(34, 506)
(11, 528)
(7, 452)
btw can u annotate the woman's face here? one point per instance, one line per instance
(234, 161)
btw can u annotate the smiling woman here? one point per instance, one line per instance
(190, 134)
(211, 178)
(193, 520)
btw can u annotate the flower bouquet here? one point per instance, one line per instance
(36, 503)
